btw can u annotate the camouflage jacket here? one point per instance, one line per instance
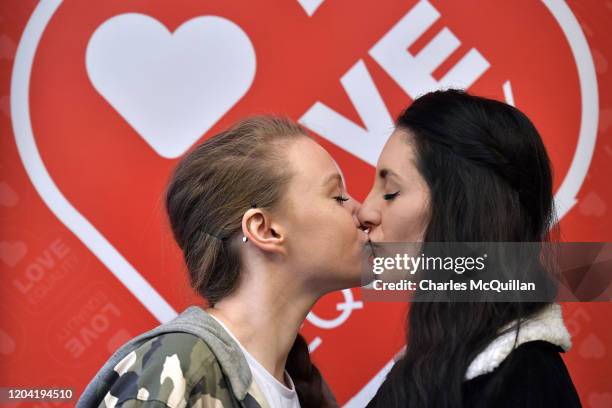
(190, 361)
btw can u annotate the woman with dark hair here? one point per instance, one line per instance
(462, 168)
(266, 228)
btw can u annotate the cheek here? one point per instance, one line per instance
(340, 227)
(405, 223)
(316, 226)
(338, 235)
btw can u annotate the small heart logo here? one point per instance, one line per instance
(592, 204)
(592, 347)
(170, 87)
(8, 196)
(12, 252)
(600, 400)
(7, 343)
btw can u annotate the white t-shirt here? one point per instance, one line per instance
(277, 394)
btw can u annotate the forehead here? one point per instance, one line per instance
(310, 162)
(399, 155)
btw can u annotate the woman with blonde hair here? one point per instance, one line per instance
(266, 227)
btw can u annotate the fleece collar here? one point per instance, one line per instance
(546, 325)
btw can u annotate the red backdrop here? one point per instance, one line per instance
(98, 99)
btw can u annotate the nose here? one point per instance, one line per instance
(368, 215)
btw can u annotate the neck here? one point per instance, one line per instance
(265, 313)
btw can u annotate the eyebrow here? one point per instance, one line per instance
(334, 177)
(383, 173)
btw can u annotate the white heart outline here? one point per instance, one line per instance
(114, 261)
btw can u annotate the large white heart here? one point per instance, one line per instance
(170, 87)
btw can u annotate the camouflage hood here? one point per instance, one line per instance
(192, 320)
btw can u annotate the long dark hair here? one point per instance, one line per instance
(208, 193)
(490, 180)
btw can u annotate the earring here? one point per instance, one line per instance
(244, 238)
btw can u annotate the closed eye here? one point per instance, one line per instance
(341, 199)
(391, 196)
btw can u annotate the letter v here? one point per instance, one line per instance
(366, 143)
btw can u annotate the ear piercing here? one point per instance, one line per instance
(244, 237)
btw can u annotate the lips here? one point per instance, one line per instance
(372, 246)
